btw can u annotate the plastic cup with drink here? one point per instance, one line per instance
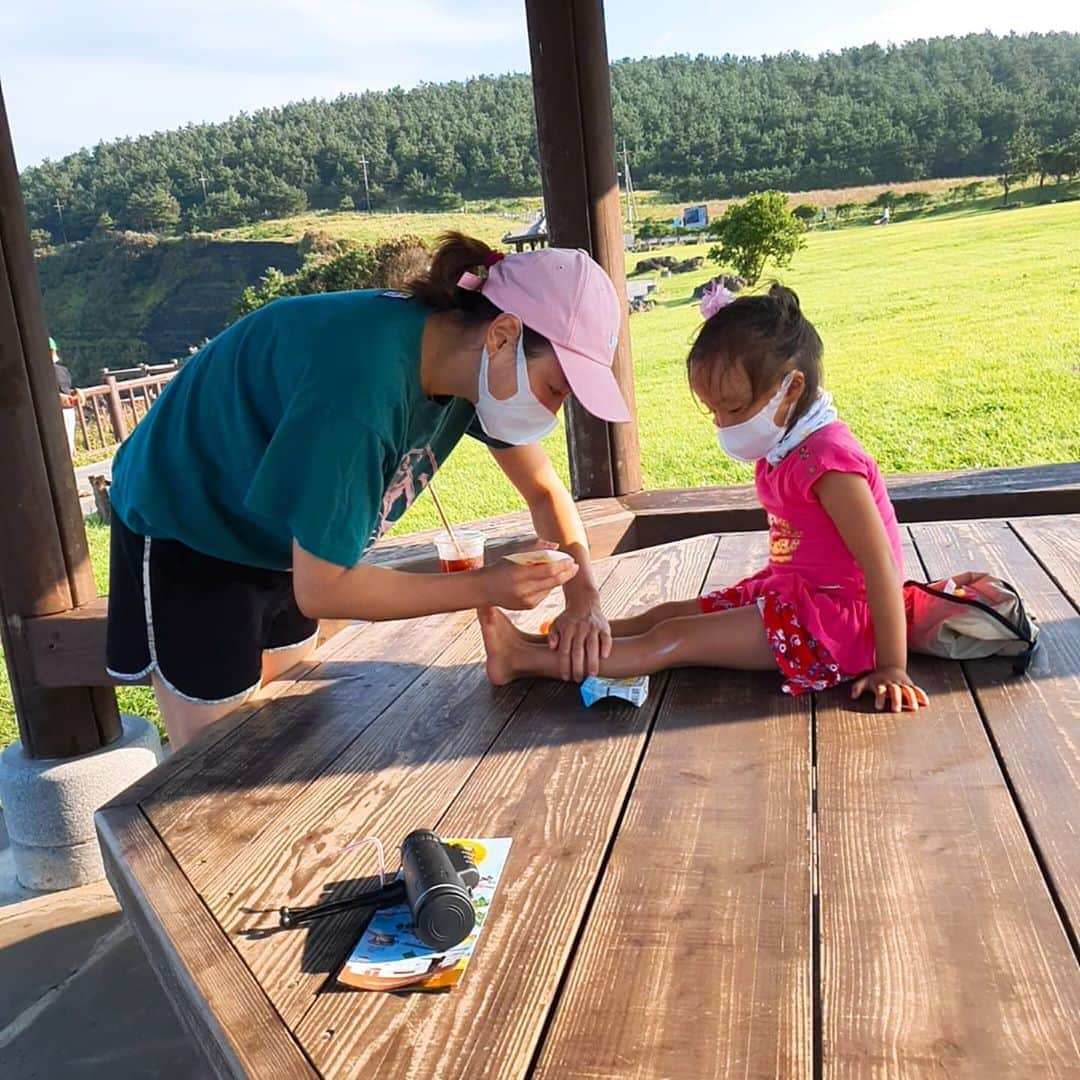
(462, 551)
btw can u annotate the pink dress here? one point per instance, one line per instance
(812, 595)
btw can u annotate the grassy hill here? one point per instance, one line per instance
(130, 299)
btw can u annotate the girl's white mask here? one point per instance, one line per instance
(754, 438)
(519, 419)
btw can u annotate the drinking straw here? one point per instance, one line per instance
(445, 520)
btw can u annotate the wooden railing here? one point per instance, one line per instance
(110, 411)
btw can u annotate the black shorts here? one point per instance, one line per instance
(201, 623)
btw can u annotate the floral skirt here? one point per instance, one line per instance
(819, 637)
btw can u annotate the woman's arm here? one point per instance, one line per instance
(847, 499)
(326, 591)
(581, 633)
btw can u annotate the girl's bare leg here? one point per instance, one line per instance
(643, 622)
(640, 623)
(731, 639)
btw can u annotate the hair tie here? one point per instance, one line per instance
(475, 282)
(716, 296)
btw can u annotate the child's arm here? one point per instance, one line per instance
(847, 499)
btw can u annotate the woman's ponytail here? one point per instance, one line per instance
(437, 288)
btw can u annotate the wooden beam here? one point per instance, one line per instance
(44, 559)
(677, 513)
(572, 95)
(69, 648)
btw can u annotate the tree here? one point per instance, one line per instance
(280, 199)
(1060, 159)
(221, 210)
(754, 231)
(1019, 160)
(701, 127)
(152, 209)
(104, 225)
(40, 239)
(386, 265)
(651, 230)
(843, 210)
(805, 212)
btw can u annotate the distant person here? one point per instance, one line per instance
(885, 218)
(69, 396)
(828, 608)
(824, 215)
(244, 503)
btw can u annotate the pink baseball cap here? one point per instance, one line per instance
(564, 295)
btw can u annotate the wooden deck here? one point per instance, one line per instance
(726, 882)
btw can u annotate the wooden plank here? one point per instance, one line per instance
(669, 515)
(1055, 542)
(941, 951)
(214, 994)
(700, 934)
(555, 781)
(281, 843)
(245, 782)
(193, 753)
(1034, 719)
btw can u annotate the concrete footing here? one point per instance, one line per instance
(49, 805)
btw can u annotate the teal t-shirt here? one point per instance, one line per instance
(304, 419)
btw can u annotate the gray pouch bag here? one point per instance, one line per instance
(969, 616)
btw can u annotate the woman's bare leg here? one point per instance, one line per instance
(277, 662)
(730, 639)
(185, 719)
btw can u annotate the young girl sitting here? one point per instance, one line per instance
(828, 608)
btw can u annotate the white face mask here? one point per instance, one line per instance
(754, 438)
(519, 419)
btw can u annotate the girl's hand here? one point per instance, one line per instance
(519, 588)
(892, 687)
(582, 636)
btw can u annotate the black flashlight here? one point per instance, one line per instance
(438, 892)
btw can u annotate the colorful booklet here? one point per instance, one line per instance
(389, 957)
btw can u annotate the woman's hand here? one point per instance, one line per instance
(519, 588)
(582, 636)
(892, 687)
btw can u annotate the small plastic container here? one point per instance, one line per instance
(535, 558)
(466, 554)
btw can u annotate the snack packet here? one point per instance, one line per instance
(635, 690)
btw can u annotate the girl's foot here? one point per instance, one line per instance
(503, 644)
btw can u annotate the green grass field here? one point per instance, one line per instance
(952, 341)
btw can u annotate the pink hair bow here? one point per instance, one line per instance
(716, 296)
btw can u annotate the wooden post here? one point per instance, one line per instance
(572, 94)
(44, 559)
(116, 410)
